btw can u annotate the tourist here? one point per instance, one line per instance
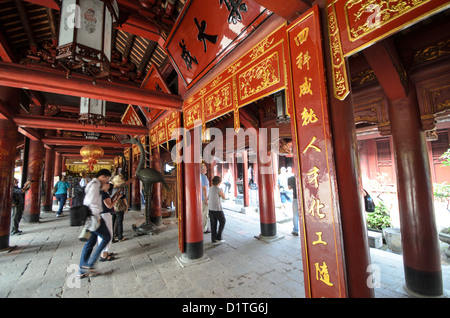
(108, 210)
(96, 225)
(84, 179)
(61, 194)
(205, 188)
(283, 186)
(227, 181)
(120, 208)
(18, 200)
(215, 210)
(293, 186)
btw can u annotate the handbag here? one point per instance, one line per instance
(369, 204)
(120, 205)
(85, 234)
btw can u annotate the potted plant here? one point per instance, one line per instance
(442, 193)
(380, 218)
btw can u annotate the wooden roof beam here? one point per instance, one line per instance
(127, 49)
(78, 156)
(388, 68)
(20, 76)
(6, 53)
(143, 28)
(62, 141)
(26, 24)
(287, 9)
(53, 4)
(45, 122)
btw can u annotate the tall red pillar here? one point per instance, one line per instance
(234, 174)
(49, 172)
(49, 169)
(8, 139)
(245, 179)
(135, 185)
(354, 232)
(421, 253)
(193, 200)
(156, 214)
(265, 188)
(36, 155)
(58, 160)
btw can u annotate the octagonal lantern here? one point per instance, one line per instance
(85, 36)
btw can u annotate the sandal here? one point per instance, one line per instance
(107, 258)
(90, 272)
(83, 275)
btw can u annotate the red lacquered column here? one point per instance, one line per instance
(421, 253)
(265, 186)
(8, 138)
(193, 203)
(36, 155)
(156, 214)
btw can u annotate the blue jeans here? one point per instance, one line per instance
(88, 260)
(295, 215)
(61, 198)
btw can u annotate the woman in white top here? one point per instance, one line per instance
(215, 210)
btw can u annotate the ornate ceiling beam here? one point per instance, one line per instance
(148, 52)
(6, 53)
(30, 133)
(78, 156)
(388, 68)
(287, 9)
(5, 111)
(26, 24)
(141, 27)
(56, 108)
(62, 141)
(76, 150)
(45, 3)
(127, 49)
(20, 76)
(45, 122)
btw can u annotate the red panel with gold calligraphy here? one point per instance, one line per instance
(155, 82)
(265, 73)
(362, 23)
(219, 100)
(131, 117)
(321, 233)
(218, 27)
(161, 132)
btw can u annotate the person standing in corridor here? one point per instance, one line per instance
(215, 210)
(61, 194)
(18, 200)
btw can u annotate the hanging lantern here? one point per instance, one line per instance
(92, 111)
(85, 36)
(280, 101)
(90, 154)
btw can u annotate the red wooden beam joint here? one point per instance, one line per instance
(20, 76)
(42, 122)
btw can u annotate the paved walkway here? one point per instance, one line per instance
(43, 263)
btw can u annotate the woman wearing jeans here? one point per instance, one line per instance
(215, 210)
(61, 194)
(93, 200)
